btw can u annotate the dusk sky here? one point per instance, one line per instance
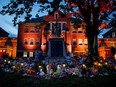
(7, 24)
(6, 21)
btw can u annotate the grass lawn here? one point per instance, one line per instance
(16, 80)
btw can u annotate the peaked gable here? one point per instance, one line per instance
(3, 33)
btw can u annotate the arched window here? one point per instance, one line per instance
(56, 16)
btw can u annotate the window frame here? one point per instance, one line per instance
(25, 54)
(25, 40)
(26, 29)
(31, 41)
(80, 30)
(31, 54)
(32, 29)
(80, 42)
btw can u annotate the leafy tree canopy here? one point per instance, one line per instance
(97, 14)
(91, 11)
(23, 8)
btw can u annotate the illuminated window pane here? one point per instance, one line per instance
(30, 54)
(112, 44)
(0, 50)
(74, 30)
(80, 41)
(25, 41)
(85, 41)
(80, 30)
(24, 54)
(3, 50)
(31, 42)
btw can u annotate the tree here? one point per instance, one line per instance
(23, 8)
(97, 15)
(113, 50)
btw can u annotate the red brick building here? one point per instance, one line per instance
(108, 41)
(55, 29)
(7, 44)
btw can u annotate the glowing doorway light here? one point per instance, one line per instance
(115, 56)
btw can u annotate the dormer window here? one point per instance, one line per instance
(56, 15)
(113, 34)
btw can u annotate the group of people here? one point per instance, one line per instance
(35, 68)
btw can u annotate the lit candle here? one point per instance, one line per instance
(106, 63)
(99, 64)
(8, 62)
(4, 60)
(84, 65)
(21, 64)
(95, 63)
(39, 66)
(64, 65)
(115, 56)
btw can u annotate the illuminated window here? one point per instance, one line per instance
(3, 50)
(112, 44)
(37, 41)
(26, 29)
(85, 41)
(0, 50)
(30, 54)
(31, 41)
(24, 54)
(80, 30)
(74, 42)
(32, 29)
(74, 30)
(25, 41)
(80, 41)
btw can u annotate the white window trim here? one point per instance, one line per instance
(85, 41)
(80, 29)
(25, 40)
(32, 40)
(80, 42)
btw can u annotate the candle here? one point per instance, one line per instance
(4, 60)
(21, 64)
(40, 66)
(8, 62)
(64, 65)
